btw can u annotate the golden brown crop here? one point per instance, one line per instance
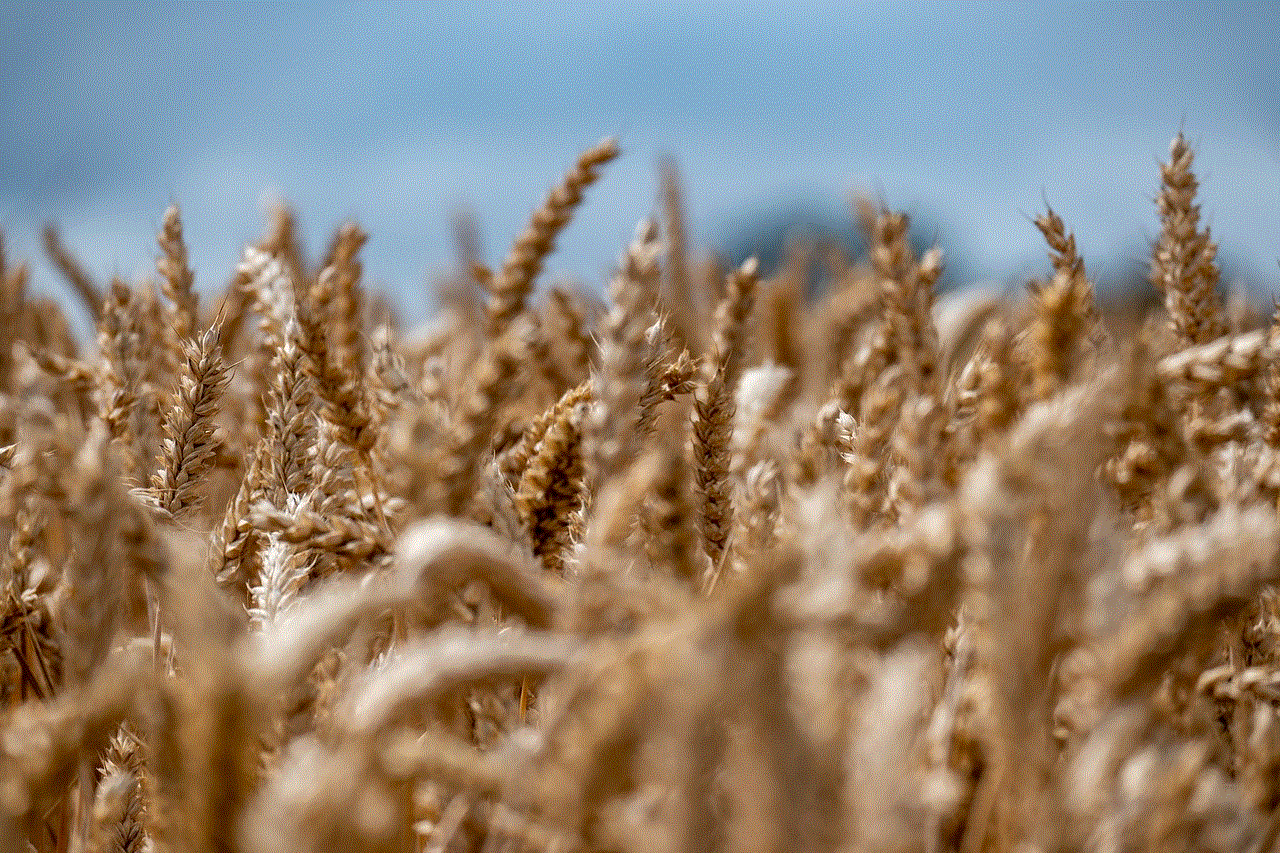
(710, 567)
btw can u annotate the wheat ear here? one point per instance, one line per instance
(906, 296)
(550, 489)
(118, 806)
(513, 461)
(176, 279)
(491, 384)
(510, 288)
(1064, 312)
(713, 415)
(190, 443)
(620, 383)
(1183, 266)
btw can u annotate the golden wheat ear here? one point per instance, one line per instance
(619, 384)
(176, 279)
(713, 411)
(510, 288)
(490, 385)
(550, 489)
(119, 806)
(514, 460)
(1065, 319)
(1183, 262)
(190, 443)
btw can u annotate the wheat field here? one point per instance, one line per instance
(711, 564)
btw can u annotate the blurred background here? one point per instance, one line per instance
(401, 115)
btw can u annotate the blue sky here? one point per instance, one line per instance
(398, 114)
